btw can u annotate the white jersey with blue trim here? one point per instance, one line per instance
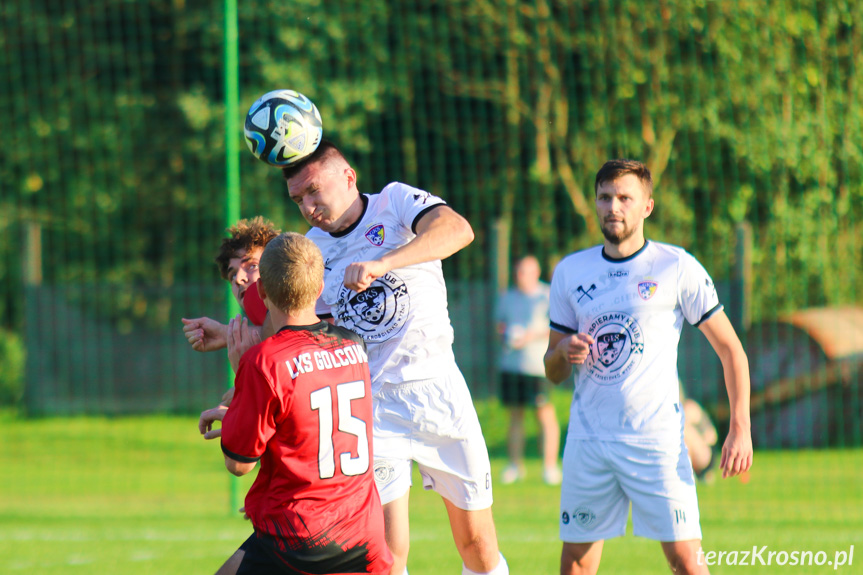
(403, 315)
(627, 389)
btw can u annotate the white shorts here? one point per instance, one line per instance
(434, 423)
(600, 478)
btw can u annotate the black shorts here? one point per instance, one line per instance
(520, 390)
(262, 558)
(257, 561)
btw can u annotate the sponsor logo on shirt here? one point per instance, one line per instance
(375, 234)
(377, 313)
(617, 350)
(646, 289)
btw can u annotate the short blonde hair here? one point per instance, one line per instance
(292, 270)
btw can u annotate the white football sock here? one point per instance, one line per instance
(501, 569)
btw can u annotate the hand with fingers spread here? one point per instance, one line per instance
(360, 275)
(205, 422)
(241, 337)
(205, 334)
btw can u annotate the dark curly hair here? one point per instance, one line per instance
(246, 234)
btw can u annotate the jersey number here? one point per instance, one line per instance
(322, 402)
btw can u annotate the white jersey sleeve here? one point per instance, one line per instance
(697, 295)
(562, 315)
(410, 204)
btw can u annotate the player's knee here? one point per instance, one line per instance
(578, 560)
(476, 545)
(479, 550)
(231, 566)
(400, 565)
(399, 547)
(685, 563)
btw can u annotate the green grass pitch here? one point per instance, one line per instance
(143, 495)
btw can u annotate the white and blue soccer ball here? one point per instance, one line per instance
(283, 127)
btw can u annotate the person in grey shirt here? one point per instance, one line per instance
(522, 322)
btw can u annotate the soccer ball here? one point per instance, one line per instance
(283, 127)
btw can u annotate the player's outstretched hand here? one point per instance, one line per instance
(240, 338)
(576, 347)
(205, 423)
(360, 275)
(205, 334)
(736, 453)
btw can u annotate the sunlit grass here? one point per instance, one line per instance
(148, 495)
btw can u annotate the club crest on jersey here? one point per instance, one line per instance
(646, 289)
(617, 349)
(610, 345)
(384, 472)
(375, 234)
(584, 516)
(377, 313)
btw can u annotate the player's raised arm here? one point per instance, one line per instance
(441, 232)
(565, 350)
(737, 449)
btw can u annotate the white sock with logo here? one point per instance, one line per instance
(501, 569)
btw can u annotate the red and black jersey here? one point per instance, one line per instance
(303, 407)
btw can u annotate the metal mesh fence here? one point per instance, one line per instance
(112, 173)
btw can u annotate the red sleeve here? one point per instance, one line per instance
(254, 306)
(250, 421)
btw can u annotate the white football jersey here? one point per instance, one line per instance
(403, 315)
(627, 389)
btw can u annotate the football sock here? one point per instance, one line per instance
(501, 569)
